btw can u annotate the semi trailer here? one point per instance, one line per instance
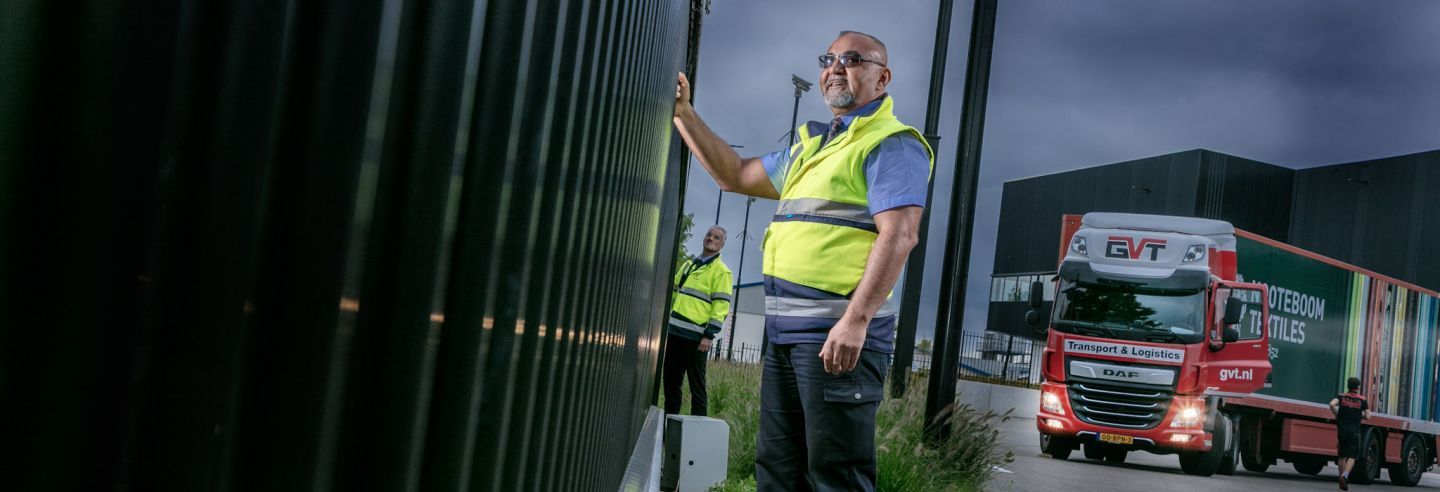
(1186, 336)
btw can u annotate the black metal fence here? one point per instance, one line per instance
(743, 353)
(333, 245)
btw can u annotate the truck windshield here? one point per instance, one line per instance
(1130, 312)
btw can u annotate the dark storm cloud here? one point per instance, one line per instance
(1079, 83)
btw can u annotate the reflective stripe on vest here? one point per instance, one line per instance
(680, 323)
(695, 293)
(815, 308)
(825, 212)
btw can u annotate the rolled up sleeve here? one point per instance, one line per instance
(897, 173)
(777, 164)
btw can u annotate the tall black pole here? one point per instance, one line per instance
(915, 266)
(739, 273)
(794, 119)
(949, 322)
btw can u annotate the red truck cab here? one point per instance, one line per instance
(1148, 334)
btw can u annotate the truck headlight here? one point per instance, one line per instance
(1195, 253)
(1050, 402)
(1077, 244)
(1189, 415)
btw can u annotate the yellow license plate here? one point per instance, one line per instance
(1116, 439)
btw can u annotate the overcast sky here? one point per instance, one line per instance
(1079, 83)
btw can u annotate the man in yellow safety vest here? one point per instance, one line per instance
(701, 302)
(851, 193)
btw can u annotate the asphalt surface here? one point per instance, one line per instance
(1145, 472)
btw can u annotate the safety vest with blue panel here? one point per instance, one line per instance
(819, 240)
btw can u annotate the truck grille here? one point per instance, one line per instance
(1125, 407)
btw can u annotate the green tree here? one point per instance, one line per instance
(687, 229)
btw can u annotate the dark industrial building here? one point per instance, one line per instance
(1378, 214)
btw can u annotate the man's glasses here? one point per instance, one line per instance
(847, 60)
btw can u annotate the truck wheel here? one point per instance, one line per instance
(1252, 462)
(1413, 462)
(1057, 447)
(1250, 451)
(1207, 463)
(1229, 462)
(1190, 462)
(1308, 466)
(1094, 452)
(1116, 455)
(1367, 465)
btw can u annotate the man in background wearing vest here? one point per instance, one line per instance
(701, 302)
(1349, 409)
(850, 193)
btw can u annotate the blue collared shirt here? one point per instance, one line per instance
(897, 171)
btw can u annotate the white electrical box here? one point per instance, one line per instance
(697, 453)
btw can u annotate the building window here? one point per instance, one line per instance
(1016, 288)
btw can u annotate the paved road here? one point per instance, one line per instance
(1145, 472)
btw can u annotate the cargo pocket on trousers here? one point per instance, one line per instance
(854, 392)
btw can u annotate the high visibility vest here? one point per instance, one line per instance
(702, 299)
(822, 231)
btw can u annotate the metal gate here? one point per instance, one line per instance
(333, 245)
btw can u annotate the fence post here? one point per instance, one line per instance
(1009, 347)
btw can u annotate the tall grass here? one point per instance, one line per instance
(905, 461)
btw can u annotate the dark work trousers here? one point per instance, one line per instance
(683, 358)
(817, 430)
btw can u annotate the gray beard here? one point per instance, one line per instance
(842, 99)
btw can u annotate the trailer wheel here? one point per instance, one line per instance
(1308, 466)
(1367, 465)
(1252, 462)
(1413, 462)
(1057, 447)
(1250, 451)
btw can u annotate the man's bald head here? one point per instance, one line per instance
(878, 51)
(848, 86)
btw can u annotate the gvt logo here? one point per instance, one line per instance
(1125, 247)
(1120, 374)
(1237, 374)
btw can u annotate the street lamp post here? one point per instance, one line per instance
(801, 86)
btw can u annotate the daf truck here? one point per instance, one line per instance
(1186, 336)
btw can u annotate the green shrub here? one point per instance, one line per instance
(905, 462)
(963, 461)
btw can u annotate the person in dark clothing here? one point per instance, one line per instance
(701, 304)
(1349, 408)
